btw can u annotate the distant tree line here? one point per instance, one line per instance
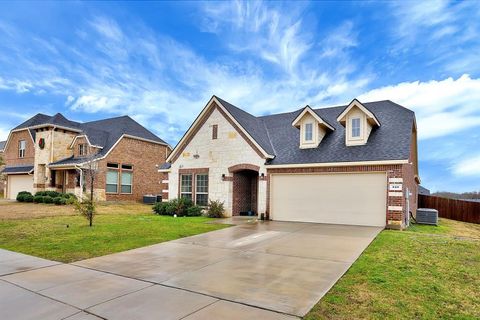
(454, 195)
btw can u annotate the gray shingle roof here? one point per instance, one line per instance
(72, 161)
(390, 141)
(17, 169)
(2, 145)
(424, 191)
(253, 125)
(103, 133)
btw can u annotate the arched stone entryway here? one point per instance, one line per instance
(245, 189)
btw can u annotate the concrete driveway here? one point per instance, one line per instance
(269, 270)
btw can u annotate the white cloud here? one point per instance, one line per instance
(442, 106)
(468, 167)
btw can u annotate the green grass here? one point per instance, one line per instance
(51, 239)
(425, 272)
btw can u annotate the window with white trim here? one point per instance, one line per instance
(201, 190)
(126, 182)
(22, 145)
(82, 149)
(112, 181)
(355, 127)
(308, 131)
(186, 188)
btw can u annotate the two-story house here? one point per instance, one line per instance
(53, 153)
(353, 164)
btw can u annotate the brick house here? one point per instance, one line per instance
(53, 153)
(354, 164)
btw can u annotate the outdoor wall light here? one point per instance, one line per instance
(262, 175)
(223, 176)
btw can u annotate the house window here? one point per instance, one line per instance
(112, 181)
(82, 149)
(355, 127)
(214, 131)
(21, 148)
(201, 190)
(126, 181)
(186, 186)
(309, 132)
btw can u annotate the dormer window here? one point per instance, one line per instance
(312, 128)
(359, 123)
(308, 131)
(355, 127)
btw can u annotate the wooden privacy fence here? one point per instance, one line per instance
(461, 210)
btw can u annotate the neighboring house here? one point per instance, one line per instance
(2, 176)
(354, 164)
(423, 191)
(52, 153)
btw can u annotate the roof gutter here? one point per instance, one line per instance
(335, 164)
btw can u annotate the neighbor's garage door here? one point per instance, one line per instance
(356, 199)
(17, 183)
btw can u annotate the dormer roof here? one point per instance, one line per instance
(307, 109)
(372, 119)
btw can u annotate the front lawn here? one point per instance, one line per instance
(66, 237)
(425, 272)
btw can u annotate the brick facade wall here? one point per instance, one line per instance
(245, 189)
(11, 152)
(143, 156)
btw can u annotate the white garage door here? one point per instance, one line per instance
(355, 199)
(17, 183)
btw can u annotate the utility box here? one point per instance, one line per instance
(427, 216)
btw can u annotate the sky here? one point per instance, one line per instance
(160, 62)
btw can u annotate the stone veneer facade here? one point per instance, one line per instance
(228, 150)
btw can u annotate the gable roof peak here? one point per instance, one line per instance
(308, 109)
(356, 103)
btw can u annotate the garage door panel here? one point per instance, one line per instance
(17, 183)
(358, 199)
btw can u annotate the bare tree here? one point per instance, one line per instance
(86, 205)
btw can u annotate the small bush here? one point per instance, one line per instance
(194, 211)
(28, 198)
(59, 201)
(179, 207)
(38, 199)
(64, 195)
(160, 208)
(72, 196)
(52, 194)
(21, 196)
(47, 199)
(215, 209)
(41, 193)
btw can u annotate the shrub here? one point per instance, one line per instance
(194, 211)
(64, 195)
(72, 196)
(41, 193)
(38, 199)
(47, 199)
(176, 206)
(160, 208)
(28, 198)
(215, 209)
(59, 201)
(52, 194)
(21, 196)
